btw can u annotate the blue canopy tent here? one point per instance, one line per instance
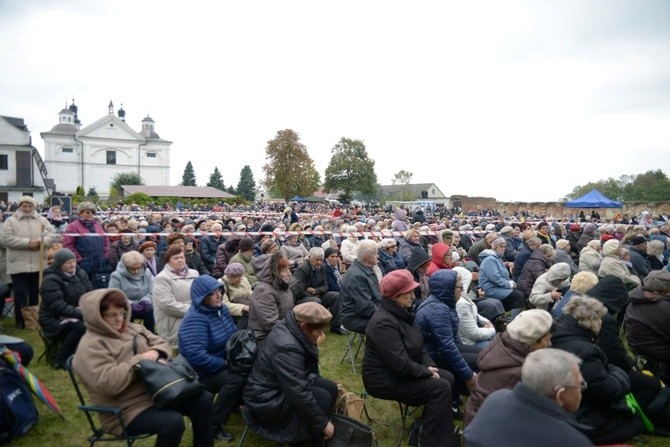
(296, 199)
(593, 199)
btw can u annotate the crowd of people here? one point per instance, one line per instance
(458, 311)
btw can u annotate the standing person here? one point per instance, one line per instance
(60, 316)
(172, 294)
(92, 251)
(396, 365)
(125, 244)
(209, 244)
(105, 362)
(24, 232)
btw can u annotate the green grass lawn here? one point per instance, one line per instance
(52, 431)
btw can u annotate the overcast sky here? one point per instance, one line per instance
(517, 100)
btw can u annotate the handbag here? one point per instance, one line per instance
(349, 433)
(241, 351)
(169, 384)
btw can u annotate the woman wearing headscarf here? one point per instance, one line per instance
(396, 365)
(237, 293)
(590, 257)
(24, 233)
(613, 265)
(588, 235)
(550, 286)
(500, 362)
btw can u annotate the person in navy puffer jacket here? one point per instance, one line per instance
(203, 335)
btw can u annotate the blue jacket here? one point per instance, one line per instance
(333, 285)
(438, 321)
(494, 276)
(203, 335)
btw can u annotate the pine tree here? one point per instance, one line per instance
(246, 188)
(188, 179)
(216, 180)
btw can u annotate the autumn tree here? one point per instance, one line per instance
(246, 188)
(290, 170)
(188, 178)
(216, 180)
(402, 179)
(350, 170)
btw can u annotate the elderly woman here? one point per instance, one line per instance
(411, 240)
(237, 293)
(590, 257)
(55, 218)
(135, 280)
(105, 362)
(203, 335)
(349, 246)
(91, 252)
(397, 366)
(153, 264)
(285, 392)
(613, 265)
(550, 286)
(244, 256)
(539, 262)
(388, 256)
(563, 254)
(473, 328)
(24, 232)
(294, 251)
(577, 332)
(588, 235)
(655, 256)
(60, 316)
(580, 284)
(172, 294)
(272, 298)
(500, 362)
(494, 278)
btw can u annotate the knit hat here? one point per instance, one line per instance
(83, 206)
(266, 245)
(563, 244)
(28, 199)
(657, 281)
(612, 292)
(530, 325)
(575, 228)
(506, 229)
(246, 244)
(589, 228)
(203, 286)
(62, 256)
(610, 247)
(234, 269)
(397, 282)
(329, 251)
(497, 241)
(637, 240)
(312, 313)
(240, 227)
(145, 245)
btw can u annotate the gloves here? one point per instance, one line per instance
(140, 308)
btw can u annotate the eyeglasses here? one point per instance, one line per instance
(583, 385)
(115, 315)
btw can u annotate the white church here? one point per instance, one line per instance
(91, 156)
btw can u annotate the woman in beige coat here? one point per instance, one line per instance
(24, 232)
(171, 294)
(613, 265)
(105, 362)
(590, 257)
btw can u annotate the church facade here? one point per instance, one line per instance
(91, 156)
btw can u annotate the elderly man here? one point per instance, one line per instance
(638, 256)
(310, 284)
(481, 245)
(360, 292)
(550, 389)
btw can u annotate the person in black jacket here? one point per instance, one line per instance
(60, 317)
(284, 392)
(397, 366)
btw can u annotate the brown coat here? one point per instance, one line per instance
(105, 362)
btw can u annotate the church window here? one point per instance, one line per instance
(111, 157)
(67, 150)
(4, 162)
(151, 155)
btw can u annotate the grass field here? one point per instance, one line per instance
(52, 431)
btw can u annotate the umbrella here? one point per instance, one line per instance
(41, 391)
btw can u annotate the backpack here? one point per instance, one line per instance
(17, 409)
(241, 351)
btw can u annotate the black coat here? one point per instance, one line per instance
(394, 350)
(278, 390)
(647, 323)
(60, 298)
(302, 279)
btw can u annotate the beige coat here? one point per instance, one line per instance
(589, 260)
(172, 299)
(18, 230)
(105, 362)
(613, 265)
(236, 297)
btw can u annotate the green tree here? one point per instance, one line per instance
(188, 178)
(246, 188)
(125, 178)
(402, 179)
(290, 170)
(231, 190)
(216, 180)
(92, 192)
(651, 186)
(350, 170)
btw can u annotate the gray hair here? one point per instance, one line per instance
(545, 370)
(548, 250)
(132, 258)
(365, 248)
(216, 226)
(534, 241)
(316, 253)
(655, 247)
(586, 310)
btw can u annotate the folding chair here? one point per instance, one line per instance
(405, 411)
(250, 423)
(355, 341)
(8, 310)
(99, 434)
(51, 348)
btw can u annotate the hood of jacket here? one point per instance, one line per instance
(558, 271)
(439, 250)
(201, 287)
(487, 252)
(417, 258)
(442, 285)
(539, 256)
(123, 271)
(612, 292)
(89, 303)
(502, 352)
(262, 268)
(400, 214)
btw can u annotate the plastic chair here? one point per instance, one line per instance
(99, 434)
(355, 341)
